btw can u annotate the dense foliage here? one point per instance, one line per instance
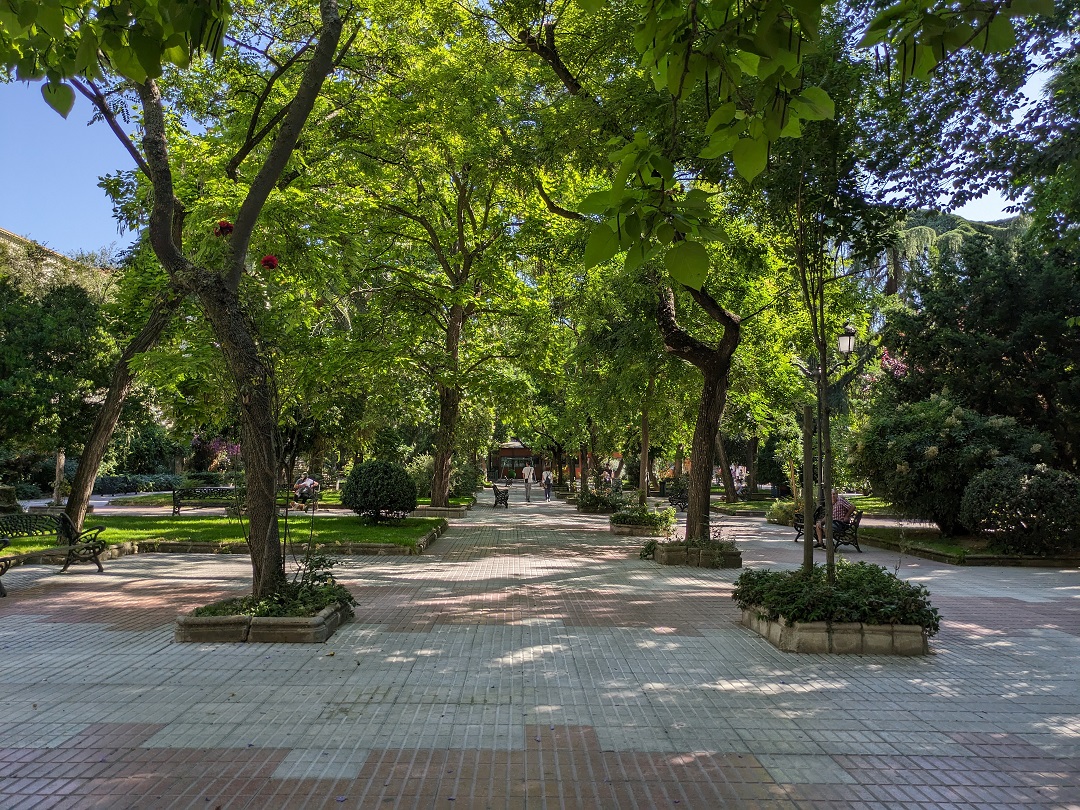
(600, 501)
(644, 516)
(862, 593)
(1024, 509)
(991, 329)
(379, 490)
(310, 591)
(920, 456)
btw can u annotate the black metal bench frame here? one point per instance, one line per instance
(847, 534)
(502, 496)
(680, 500)
(203, 496)
(84, 546)
(799, 523)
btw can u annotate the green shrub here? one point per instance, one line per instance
(863, 593)
(1024, 509)
(204, 478)
(593, 501)
(311, 590)
(24, 491)
(421, 470)
(644, 516)
(648, 551)
(122, 484)
(921, 456)
(379, 490)
(782, 513)
(466, 479)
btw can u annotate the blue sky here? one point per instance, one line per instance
(51, 166)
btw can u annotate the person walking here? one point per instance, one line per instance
(547, 479)
(527, 477)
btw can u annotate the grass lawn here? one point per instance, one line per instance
(871, 505)
(455, 500)
(743, 506)
(915, 539)
(217, 529)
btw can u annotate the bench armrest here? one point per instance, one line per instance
(89, 537)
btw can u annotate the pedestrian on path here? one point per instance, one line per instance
(546, 478)
(527, 477)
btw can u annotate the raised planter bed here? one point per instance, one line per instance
(267, 629)
(840, 639)
(378, 549)
(440, 511)
(680, 554)
(630, 530)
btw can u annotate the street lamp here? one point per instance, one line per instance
(845, 341)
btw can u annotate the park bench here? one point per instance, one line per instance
(799, 521)
(203, 496)
(847, 534)
(680, 500)
(84, 546)
(286, 498)
(502, 496)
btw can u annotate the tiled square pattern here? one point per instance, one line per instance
(531, 660)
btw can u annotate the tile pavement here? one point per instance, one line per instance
(531, 660)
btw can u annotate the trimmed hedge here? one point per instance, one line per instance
(122, 484)
(1024, 509)
(644, 516)
(379, 490)
(862, 593)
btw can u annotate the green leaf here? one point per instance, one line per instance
(688, 263)
(665, 232)
(147, 51)
(590, 6)
(602, 245)
(50, 19)
(724, 115)
(1027, 8)
(596, 203)
(127, 64)
(60, 97)
(750, 155)
(87, 53)
(818, 101)
(1000, 35)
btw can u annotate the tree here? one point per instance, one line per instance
(992, 329)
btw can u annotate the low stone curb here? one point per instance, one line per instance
(631, 530)
(973, 559)
(112, 552)
(439, 511)
(266, 629)
(852, 638)
(680, 554)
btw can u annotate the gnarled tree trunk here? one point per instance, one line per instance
(714, 364)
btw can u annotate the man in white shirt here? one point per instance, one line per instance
(527, 477)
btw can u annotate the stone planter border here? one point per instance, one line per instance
(631, 530)
(434, 511)
(266, 629)
(839, 638)
(680, 554)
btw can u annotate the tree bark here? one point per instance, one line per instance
(109, 413)
(714, 364)
(751, 465)
(643, 466)
(449, 411)
(58, 477)
(259, 440)
(730, 496)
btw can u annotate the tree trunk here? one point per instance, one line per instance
(58, 478)
(714, 362)
(558, 453)
(109, 413)
(713, 397)
(751, 465)
(583, 453)
(258, 429)
(678, 468)
(643, 466)
(449, 410)
(730, 496)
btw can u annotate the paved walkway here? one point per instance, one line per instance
(530, 659)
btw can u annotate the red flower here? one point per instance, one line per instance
(224, 228)
(269, 262)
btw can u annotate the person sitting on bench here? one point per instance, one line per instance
(841, 514)
(305, 490)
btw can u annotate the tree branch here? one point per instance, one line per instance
(299, 109)
(97, 98)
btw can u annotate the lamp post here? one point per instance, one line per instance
(819, 372)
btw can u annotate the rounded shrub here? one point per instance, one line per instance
(1024, 509)
(379, 490)
(782, 513)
